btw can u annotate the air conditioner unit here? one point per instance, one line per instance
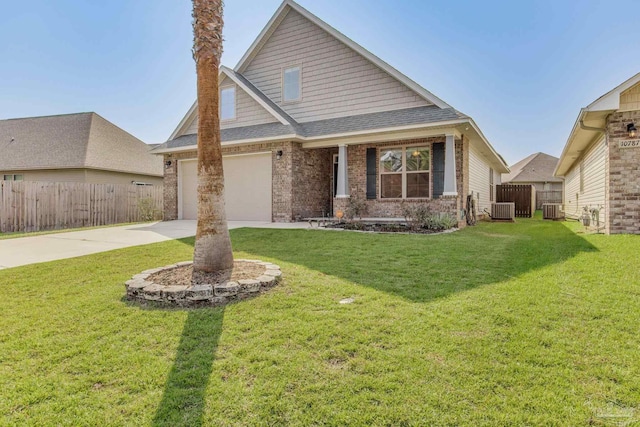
(503, 211)
(552, 211)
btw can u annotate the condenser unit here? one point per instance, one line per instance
(503, 211)
(552, 211)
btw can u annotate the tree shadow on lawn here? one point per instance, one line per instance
(418, 267)
(183, 399)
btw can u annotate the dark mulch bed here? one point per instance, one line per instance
(381, 228)
(184, 276)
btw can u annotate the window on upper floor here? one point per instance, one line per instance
(291, 84)
(228, 103)
(404, 172)
(12, 178)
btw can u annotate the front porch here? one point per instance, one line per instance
(385, 177)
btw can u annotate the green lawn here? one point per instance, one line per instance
(499, 324)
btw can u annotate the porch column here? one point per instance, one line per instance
(343, 180)
(450, 185)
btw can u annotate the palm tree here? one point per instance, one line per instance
(212, 251)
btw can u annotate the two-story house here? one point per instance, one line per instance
(311, 119)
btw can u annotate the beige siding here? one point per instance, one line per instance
(248, 113)
(593, 194)
(630, 99)
(479, 169)
(541, 186)
(48, 175)
(84, 175)
(336, 81)
(108, 177)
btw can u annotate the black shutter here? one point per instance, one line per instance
(438, 169)
(372, 162)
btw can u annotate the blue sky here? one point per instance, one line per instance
(522, 70)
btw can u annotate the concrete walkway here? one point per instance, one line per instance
(50, 247)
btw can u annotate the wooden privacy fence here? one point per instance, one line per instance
(523, 195)
(35, 206)
(548, 196)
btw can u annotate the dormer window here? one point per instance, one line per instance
(228, 103)
(291, 84)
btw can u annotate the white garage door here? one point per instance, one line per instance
(247, 181)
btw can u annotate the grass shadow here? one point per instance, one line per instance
(417, 267)
(183, 399)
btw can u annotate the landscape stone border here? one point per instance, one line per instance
(142, 290)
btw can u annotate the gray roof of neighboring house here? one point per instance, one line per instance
(82, 140)
(537, 167)
(364, 122)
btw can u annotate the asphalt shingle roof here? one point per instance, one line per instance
(83, 140)
(537, 167)
(359, 123)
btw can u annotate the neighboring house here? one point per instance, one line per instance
(311, 119)
(537, 170)
(600, 161)
(81, 147)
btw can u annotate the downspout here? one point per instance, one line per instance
(592, 129)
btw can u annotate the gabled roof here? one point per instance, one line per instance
(611, 99)
(439, 115)
(247, 87)
(73, 141)
(589, 126)
(288, 5)
(537, 167)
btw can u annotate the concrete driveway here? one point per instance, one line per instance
(50, 247)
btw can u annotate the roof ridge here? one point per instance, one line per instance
(402, 78)
(48, 116)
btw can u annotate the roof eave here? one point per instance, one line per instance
(500, 161)
(231, 74)
(578, 134)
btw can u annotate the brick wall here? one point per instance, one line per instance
(171, 184)
(380, 208)
(311, 174)
(300, 179)
(622, 176)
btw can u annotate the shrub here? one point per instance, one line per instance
(443, 221)
(419, 216)
(147, 209)
(356, 207)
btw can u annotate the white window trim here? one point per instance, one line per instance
(291, 101)
(405, 172)
(13, 177)
(235, 102)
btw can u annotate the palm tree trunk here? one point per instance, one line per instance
(212, 251)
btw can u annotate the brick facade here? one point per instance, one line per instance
(300, 179)
(381, 208)
(622, 182)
